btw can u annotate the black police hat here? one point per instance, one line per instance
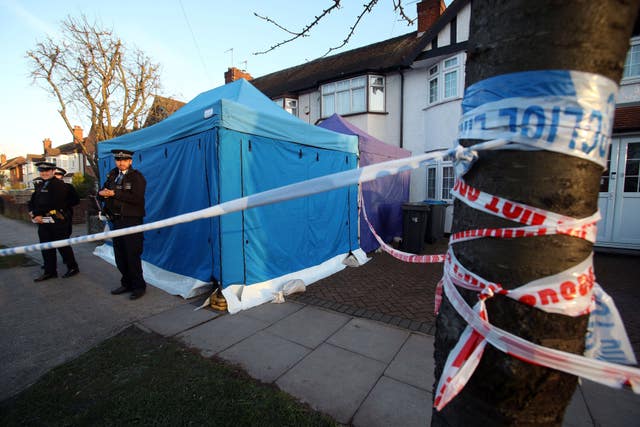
(60, 171)
(122, 154)
(45, 166)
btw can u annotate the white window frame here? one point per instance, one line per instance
(368, 84)
(633, 52)
(443, 181)
(432, 182)
(439, 88)
(290, 105)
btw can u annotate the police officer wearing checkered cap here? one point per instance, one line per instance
(47, 208)
(72, 200)
(123, 197)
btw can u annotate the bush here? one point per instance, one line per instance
(84, 184)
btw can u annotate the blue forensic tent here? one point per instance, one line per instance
(383, 197)
(228, 143)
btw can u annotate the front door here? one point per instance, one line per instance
(619, 200)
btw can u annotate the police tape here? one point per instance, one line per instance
(402, 256)
(569, 112)
(563, 111)
(572, 292)
(539, 221)
(467, 353)
(280, 194)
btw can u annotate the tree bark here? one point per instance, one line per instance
(509, 36)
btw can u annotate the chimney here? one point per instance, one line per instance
(428, 13)
(77, 135)
(233, 74)
(3, 159)
(47, 144)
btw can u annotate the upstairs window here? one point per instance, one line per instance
(289, 104)
(445, 80)
(632, 64)
(351, 96)
(433, 85)
(376, 93)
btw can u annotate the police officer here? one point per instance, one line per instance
(123, 197)
(47, 208)
(72, 200)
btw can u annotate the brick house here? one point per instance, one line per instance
(12, 170)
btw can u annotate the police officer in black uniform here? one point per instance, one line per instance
(123, 197)
(72, 200)
(48, 209)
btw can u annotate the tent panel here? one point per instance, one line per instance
(231, 233)
(296, 234)
(179, 180)
(382, 197)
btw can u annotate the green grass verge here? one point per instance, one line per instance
(15, 260)
(139, 378)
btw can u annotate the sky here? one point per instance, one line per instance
(190, 39)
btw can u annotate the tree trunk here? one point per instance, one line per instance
(510, 36)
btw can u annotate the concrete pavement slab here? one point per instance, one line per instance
(43, 325)
(332, 380)
(265, 356)
(178, 319)
(611, 407)
(393, 403)
(221, 333)
(309, 326)
(271, 313)
(414, 362)
(372, 339)
(577, 413)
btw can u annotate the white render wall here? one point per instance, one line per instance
(629, 91)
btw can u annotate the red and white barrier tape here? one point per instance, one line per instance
(464, 358)
(572, 292)
(402, 256)
(538, 222)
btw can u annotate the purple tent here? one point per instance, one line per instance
(383, 197)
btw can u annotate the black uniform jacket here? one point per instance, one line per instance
(51, 195)
(129, 197)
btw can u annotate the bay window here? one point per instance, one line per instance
(356, 95)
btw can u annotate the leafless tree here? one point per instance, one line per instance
(89, 71)
(367, 7)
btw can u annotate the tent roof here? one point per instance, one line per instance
(238, 106)
(367, 143)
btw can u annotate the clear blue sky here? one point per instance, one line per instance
(191, 50)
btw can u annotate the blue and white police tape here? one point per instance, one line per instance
(568, 112)
(280, 194)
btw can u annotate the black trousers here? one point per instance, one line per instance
(50, 233)
(128, 250)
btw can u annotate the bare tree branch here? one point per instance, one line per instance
(305, 32)
(367, 9)
(397, 6)
(90, 70)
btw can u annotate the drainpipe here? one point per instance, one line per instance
(401, 109)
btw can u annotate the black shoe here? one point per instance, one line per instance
(120, 290)
(71, 272)
(136, 293)
(45, 276)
